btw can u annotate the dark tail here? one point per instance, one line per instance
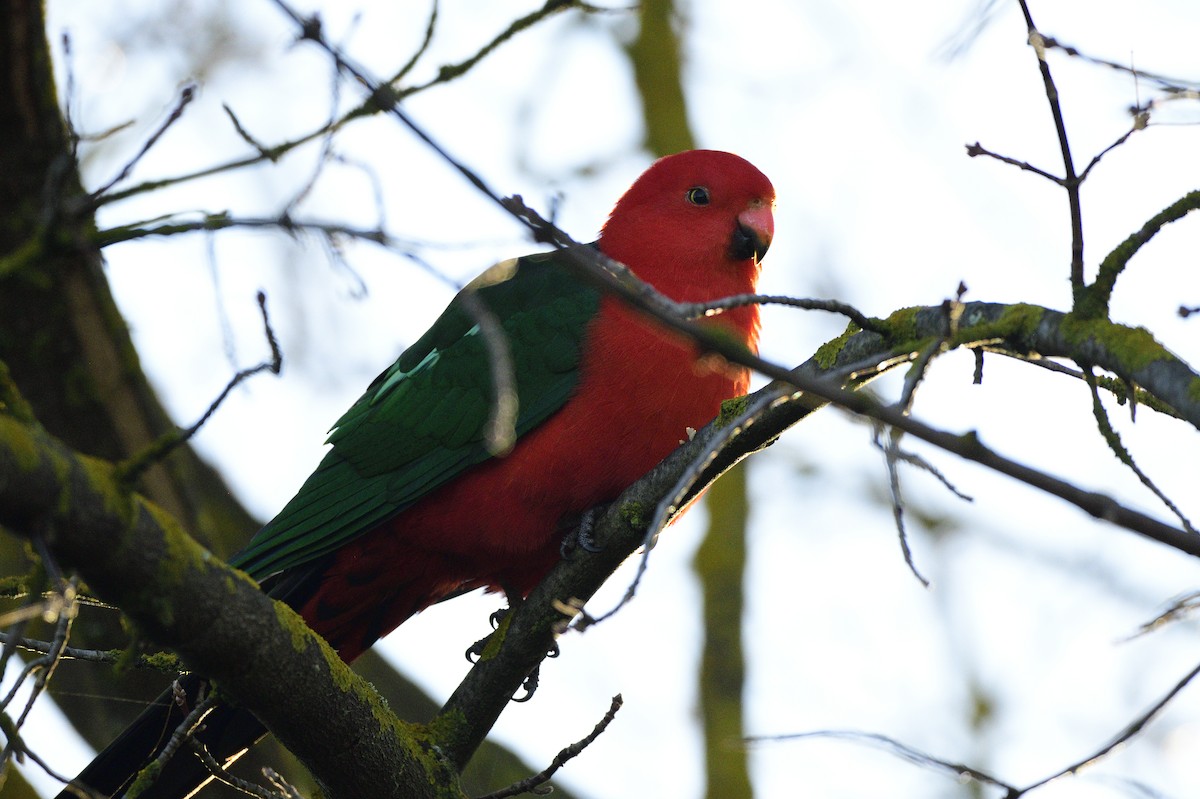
(228, 731)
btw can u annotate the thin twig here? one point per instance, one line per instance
(534, 784)
(977, 149)
(183, 732)
(449, 72)
(111, 656)
(1139, 123)
(185, 98)
(132, 468)
(1070, 179)
(402, 73)
(911, 754)
(890, 451)
(1133, 729)
(220, 773)
(500, 431)
(696, 310)
(1180, 608)
(1113, 439)
(1099, 294)
(1164, 82)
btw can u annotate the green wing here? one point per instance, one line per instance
(420, 423)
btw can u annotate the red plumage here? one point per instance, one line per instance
(641, 387)
(694, 226)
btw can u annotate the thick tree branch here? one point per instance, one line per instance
(258, 651)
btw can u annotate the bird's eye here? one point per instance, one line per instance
(697, 195)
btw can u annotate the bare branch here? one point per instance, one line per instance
(1070, 180)
(160, 662)
(1139, 123)
(1133, 729)
(911, 754)
(185, 98)
(1163, 81)
(534, 784)
(978, 149)
(712, 307)
(129, 470)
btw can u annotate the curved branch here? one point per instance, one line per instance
(134, 555)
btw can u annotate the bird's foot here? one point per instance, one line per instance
(475, 651)
(530, 684)
(581, 537)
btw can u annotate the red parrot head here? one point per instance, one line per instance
(695, 225)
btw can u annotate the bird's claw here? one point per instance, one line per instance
(530, 684)
(475, 651)
(581, 536)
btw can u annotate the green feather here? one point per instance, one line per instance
(421, 423)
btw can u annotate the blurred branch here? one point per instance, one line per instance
(168, 664)
(960, 770)
(130, 469)
(369, 107)
(1166, 83)
(449, 72)
(901, 750)
(1134, 727)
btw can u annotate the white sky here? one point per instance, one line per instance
(859, 117)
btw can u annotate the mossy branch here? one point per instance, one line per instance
(137, 557)
(1094, 301)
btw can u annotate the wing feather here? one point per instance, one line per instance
(420, 423)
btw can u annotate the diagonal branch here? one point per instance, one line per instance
(135, 556)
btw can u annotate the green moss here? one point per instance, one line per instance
(902, 324)
(14, 586)
(1017, 323)
(100, 479)
(634, 514)
(145, 778)
(162, 661)
(1193, 391)
(731, 409)
(827, 354)
(11, 401)
(429, 742)
(20, 442)
(299, 632)
(494, 641)
(1133, 347)
(446, 729)
(181, 556)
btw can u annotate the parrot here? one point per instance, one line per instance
(411, 505)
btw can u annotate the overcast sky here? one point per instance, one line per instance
(859, 112)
